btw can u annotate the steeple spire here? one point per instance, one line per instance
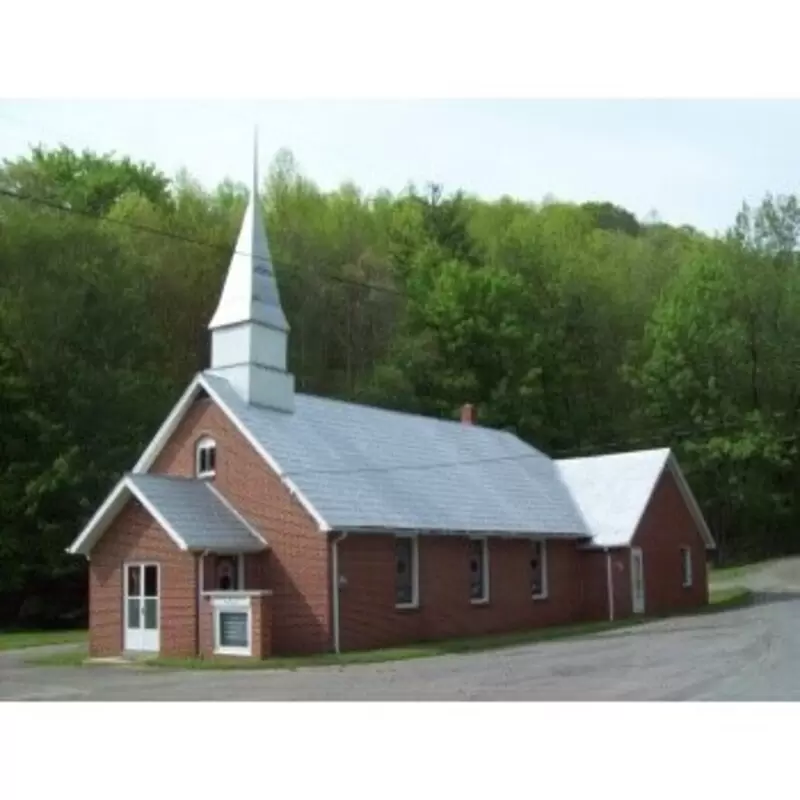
(249, 329)
(250, 291)
(254, 190)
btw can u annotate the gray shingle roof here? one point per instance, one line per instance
(364, 467)
(196, 513)
(612, 491)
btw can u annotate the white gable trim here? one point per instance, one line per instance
(108, 512)
(156, 515)
(168, 427)
(179, 412)
(690, 500)
(671, 464)
(236, 514)
(111, 506)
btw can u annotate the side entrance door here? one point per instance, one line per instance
(142, 608)
(637, 580)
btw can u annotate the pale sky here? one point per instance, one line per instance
(693, 162)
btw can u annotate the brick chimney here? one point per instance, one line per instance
(468, 414)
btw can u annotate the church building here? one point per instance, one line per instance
(261, 521)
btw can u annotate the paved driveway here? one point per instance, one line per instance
(747, 654)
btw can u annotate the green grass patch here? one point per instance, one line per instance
(21, 640)
(421, 650)
(67, 658)
(728, 598)
(734, 573)
(719, 600)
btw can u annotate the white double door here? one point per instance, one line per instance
(142, 607)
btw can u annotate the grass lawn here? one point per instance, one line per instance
(733, 574)
(725, 598)
(20, 640)
(728, 574)
(719, 600)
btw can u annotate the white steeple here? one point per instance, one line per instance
(249, 332)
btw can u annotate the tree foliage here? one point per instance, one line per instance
(580, 327)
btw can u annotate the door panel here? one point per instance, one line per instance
(151, 580)
(637, 581)
(142, 608)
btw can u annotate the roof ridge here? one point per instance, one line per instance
(398, 412)
(372, 407)
(642, 451)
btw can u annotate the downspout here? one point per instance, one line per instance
(200, 560)
(197, 606)
(609, 585)
(335, 588)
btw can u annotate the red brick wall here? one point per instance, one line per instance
(297, 569)
(135, 536)
(206, 627)
(596, 605)
(666, 527)
(262, 626)
(595, 585)
(369, 618)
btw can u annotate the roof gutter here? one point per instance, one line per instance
(335, 587)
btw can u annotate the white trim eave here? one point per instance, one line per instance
(174, 419)
(671, 464)
(98, 518)
(691, 502)
(108, 511)
(273, 464)
(243, 520)
(156, 515)
(169, 425)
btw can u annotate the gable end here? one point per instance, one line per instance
(197, 388)
(110, 510)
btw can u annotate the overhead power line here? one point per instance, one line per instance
(99, 218)
(537, 454)
(150, 230)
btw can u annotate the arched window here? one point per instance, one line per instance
(206, 458)
(228, 573)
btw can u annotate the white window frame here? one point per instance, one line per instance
(414, 573)
(482, 601)
(545, 576)
(687, 571)
(235, 606)
(203, 445)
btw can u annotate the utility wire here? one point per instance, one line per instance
(656, 435)
(99, 218)
(535, 454)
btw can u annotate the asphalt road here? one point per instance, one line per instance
(745, 654)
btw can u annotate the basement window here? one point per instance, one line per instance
(686, 566)
(479, 571)
(406, 560)
(538, 569)
(206, 458)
